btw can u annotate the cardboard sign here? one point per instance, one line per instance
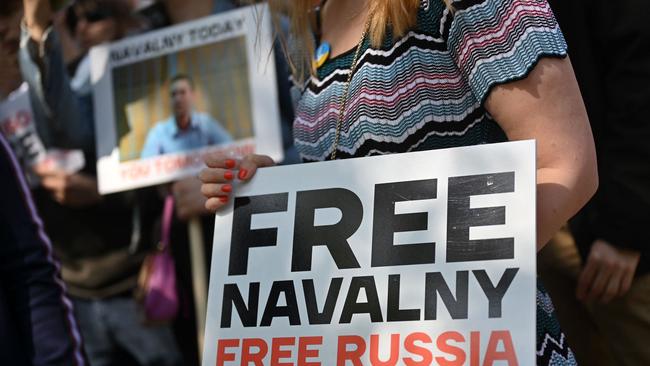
(165, 98)
(423, 258)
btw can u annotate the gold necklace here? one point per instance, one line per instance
(344, 98)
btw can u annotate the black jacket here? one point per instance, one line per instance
(37, 326)
(609, 46)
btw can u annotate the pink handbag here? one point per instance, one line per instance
(157, 292)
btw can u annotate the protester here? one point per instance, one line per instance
(473, 74)
(187, 129)
(16, 122)
(101, 240)
(611, 50)
(37, 326)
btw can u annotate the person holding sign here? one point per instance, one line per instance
(395, 76)
(189, 202)
(186, 129)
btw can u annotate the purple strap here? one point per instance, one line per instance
(166, 222)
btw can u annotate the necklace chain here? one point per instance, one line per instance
(344, 97)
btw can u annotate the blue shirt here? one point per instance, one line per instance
(165, 137)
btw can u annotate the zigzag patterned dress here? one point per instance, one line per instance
(426, 91)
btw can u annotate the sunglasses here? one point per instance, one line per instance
(92, 16)
(96, 15)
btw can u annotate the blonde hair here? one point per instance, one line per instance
(400, 14)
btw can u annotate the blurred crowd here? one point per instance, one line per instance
(102, 241)
(597, 270)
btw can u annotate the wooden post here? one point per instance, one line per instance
(199, 278)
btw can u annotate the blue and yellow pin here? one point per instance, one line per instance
(321, 55)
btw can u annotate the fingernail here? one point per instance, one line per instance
(226, 188)
(223, 199)
(230, 163)
(242, 174)
(228, 175)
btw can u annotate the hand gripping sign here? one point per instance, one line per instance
(423, 258)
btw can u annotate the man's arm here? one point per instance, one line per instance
(38, 17)
(32, 286)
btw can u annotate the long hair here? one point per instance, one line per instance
(400, 14)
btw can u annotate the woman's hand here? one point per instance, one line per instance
(222, 170)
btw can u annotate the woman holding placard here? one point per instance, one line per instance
(391, 76)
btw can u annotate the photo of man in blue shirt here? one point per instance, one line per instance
(187, 129)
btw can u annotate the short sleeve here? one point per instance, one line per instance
(497, 41)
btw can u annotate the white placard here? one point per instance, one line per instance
(18, 126)
(422, 258)
(228, 58)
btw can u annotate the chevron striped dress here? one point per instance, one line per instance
(427, 90)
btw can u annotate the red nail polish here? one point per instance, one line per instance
(242, 174)
(228, 175)
(223, 199)
(230, 163)
(226, 188)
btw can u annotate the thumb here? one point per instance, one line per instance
(250, 163)
(586, 279)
